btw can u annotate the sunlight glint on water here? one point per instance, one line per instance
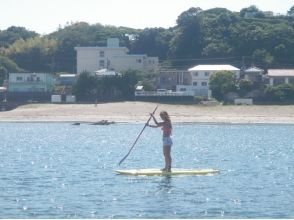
(57, 170)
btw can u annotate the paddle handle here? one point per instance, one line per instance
(137, 137)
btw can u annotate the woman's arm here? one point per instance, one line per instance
(157, 124)
(154, 119)
(152, 126)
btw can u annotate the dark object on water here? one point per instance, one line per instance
(103, 122)
(77, 123)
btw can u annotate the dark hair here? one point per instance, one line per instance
(165, 115)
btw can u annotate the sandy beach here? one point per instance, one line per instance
(139, 112)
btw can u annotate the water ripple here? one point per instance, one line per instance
(56, 170)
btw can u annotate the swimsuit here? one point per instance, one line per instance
(166, 139)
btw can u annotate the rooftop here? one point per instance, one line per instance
(68, 75)
(106, 72)
(280, 72)
(213, 68)
(253, 70)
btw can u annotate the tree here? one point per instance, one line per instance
(153, 42)
(291, 11)
(85, 87)
(6, 66)
(217, 49)
(13, 33)
(187, 39)
(90, 88)
(221, 83)
(282, 92)
(34, 54)
(251, 12)
(215, 29)
(262, 55)
(245, 86)
(186, 17)
(127, 84)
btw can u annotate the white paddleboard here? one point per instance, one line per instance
(174, 171)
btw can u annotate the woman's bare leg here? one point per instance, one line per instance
(167, 157)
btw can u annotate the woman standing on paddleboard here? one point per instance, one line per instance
(166, 127)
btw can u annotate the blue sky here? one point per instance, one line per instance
(44, 16)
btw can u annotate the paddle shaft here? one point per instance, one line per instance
(137, 138)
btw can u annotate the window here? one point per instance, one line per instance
(195, 74)
(139, 61)
(101, 63)
(19, 78)
(183, 89)
(204, 83)
(162, 79)
(102, 53)
(194, 83)
(206, 73)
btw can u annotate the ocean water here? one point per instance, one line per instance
(57, 170)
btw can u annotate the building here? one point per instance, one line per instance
(106, 73)
(30, 82)
(64, 85)
(66, 79)
(112, 57)
(3, 91)
(30, 86)
(280, 76)
(169, 79)
(253, 74)
(200, 74)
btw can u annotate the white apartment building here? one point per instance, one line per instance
(112, 57)
(200, 78)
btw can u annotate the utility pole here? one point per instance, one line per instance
(243, 63)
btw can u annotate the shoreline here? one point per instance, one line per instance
(141, 122)
(138, 112)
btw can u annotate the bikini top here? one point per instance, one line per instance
(166, 130)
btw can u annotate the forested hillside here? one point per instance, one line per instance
(200, 36)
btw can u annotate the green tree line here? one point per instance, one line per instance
(91, 88)
(224, 83)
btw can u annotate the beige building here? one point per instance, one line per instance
(112, 57)
(280, 76)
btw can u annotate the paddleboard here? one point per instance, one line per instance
(174, 171)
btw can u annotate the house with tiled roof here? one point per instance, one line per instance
(280, 76)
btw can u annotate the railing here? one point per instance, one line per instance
(167, 93)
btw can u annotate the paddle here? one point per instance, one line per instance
(137, 137)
